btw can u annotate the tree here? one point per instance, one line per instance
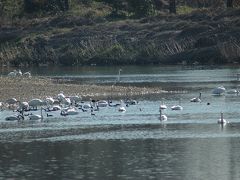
(172, 6)
(229, 3)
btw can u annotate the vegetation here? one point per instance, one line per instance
(103, 32)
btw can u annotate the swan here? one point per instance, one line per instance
(60, 96)
(221, 120)
(12, 73)
(14, 118)
(162, 106)
(102, 103)
(233, 91)
(34, 103)
(69, 111)
(11, 101)
(19, 73)
(27, 75)
(177, 107)
(36, 116)
(219, 90)
(23, 106)
(121, 108)
(162, 116)
(196, 99)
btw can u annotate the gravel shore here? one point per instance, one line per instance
(25, 89)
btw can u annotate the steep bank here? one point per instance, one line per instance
(205, 36)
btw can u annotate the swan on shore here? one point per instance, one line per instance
(34, 103)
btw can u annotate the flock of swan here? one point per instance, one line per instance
(73, 105)
(18, 73)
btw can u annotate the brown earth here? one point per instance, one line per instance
(25, 89)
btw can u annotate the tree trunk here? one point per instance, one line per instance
(229, 3)
(172, 6)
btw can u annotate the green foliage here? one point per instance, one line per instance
(184, 9)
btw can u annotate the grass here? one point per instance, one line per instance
(184, 9)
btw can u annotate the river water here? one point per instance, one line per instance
(134, 144)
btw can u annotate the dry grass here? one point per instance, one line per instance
(25, 89)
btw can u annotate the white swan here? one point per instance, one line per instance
(222, 120)
(34, 103)
(12, 73)
(196, 99)
(163, 117)
(121, 108)
(177, 107)
(102, 103)
(27, 75)
(162, 105)
(219, 90)
(232, 91)
(36, 116)
(11, 101)
(14, 118)
(69, 111)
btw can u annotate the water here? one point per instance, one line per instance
(134, 144)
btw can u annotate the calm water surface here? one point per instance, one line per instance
(134, 144)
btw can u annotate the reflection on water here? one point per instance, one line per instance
(134, 144)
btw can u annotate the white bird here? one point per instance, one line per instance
(11, 101)
(23, 105)
(222, 120)
(34, 103)
(14, 118)
(36, 116)
(232, 91)
(27, 75)
(163, 106)
(60, 96)
(121, 108)
(177, 107)
(196, 99)
(19, 73)
(102, 103)
(163, 117)
(218, 90)
(75, 99)
(69, 111)
(12, 73)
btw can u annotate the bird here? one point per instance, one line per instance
(14, 118)
(220, 90)
(222, 121)
(196, 99)
(36, 116)
(34, 103)
(162, 117)
(177, 107)
(27, 75)
(163, 106)
(119, 74)
(121, 108)
(12, 73)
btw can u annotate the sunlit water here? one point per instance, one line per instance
(133, 144)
